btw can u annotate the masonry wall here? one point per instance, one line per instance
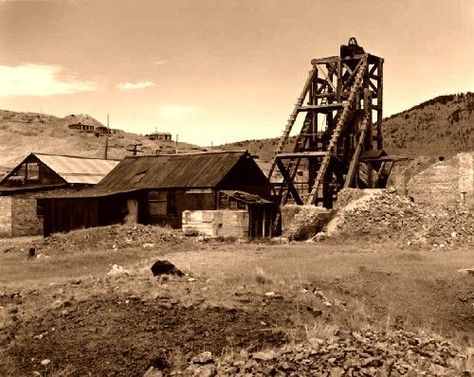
(25, 220)
(445, 182)
(5, 216)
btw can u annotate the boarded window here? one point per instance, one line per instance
(32, 171)
(162, 203)
(157, 203)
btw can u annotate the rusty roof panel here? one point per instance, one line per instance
(75, 169)
(177, 170)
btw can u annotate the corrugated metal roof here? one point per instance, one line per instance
(75, 169)
(177, 170)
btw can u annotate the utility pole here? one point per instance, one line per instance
(107, 138)
(134, 149)
(176, 144)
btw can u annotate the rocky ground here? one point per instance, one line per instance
(368, 353)
(239, 309)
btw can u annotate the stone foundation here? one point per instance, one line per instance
(5, 216)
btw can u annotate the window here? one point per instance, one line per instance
(32, 171)
(157, 203)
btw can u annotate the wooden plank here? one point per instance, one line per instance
(355, 157)
(323, 108)
(329, 59)
(300, 154)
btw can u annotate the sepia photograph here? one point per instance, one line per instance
(205, 188)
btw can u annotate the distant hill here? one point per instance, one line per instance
(442, 126)
(22, 133)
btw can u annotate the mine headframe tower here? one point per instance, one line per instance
(340, 143)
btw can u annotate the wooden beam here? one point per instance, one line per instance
(300, 155)
(289, 182)
(322, 108)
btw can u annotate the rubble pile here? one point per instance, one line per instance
(110, 237)
(383, 215)
(303, 222)
(351, 354)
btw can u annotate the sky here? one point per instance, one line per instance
(216, 71)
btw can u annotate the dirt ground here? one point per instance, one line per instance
(71, 313)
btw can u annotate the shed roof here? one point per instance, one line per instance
(173, 170)
(75, 169)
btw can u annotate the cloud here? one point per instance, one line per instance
(39, 80)
(135, 85)
(176, 112)
(159, 62)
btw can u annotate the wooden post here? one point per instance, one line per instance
(107, 139)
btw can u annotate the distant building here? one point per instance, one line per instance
(161, 136)
(40, 174)
(86, 123)
(81, 127)
(157, 189)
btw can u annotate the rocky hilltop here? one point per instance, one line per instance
(22, 133)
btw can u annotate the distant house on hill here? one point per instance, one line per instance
(85, 123)
(157, 189)
(39, 174)
(160, 136)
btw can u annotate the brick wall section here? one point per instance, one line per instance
(25, 220)
(5, 216)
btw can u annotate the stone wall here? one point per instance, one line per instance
(5, 216)
(25, 221)
(445, 182)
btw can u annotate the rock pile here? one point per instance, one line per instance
(108, 237)
(115, 237)
(383, 215)
(303, 222)
(351, 354)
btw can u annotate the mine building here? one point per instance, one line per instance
(157, 189)
(40, 174)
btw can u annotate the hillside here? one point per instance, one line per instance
(22, 133)
(441, 126)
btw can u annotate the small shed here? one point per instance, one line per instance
(40, 174)
(157, 189)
